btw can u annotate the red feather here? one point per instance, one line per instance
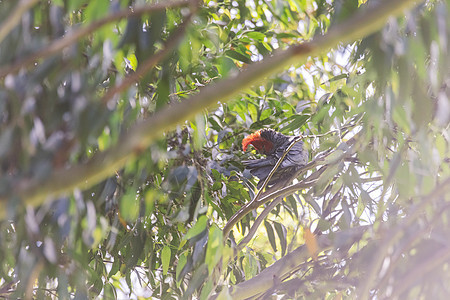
(255, 139)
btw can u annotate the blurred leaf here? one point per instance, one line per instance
(225, 66)
(129, 206)
(214, 247)
(311, 243)
(96, 9)
(165, 259)
(256, 35)
(334, 157)
(238, 56)
(5, 141)
(295, 122)
(198, 228)
(327, 177)
(180, 265)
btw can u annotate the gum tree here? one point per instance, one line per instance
(120, 142)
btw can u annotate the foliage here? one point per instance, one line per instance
(118, 178)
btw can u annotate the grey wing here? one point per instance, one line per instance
(297, 156)
(260, 167)
(283, 176)
(257, 163)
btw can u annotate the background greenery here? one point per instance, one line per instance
(120, 146)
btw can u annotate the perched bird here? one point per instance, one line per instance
(273, 144)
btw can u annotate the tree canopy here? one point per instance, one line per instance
(121, 125)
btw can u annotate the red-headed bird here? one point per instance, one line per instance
(273, 144)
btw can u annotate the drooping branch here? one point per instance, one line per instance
(102, 165)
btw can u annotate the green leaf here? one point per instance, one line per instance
(165, 259)
(133, 61)
(282, 234)
(97, 9)
(327, 177)
(207, 288)
(441, 146)
(267, 46)
(217, 185)
(59, 2)
(129, 205)
(253, 111)
(347, 215)
(295, 122)
(401, 118)
(238, 56)
(214, 247)
(334, 157)
(182, 259)
(314, 204)
(225, 66)
(198, 228)
(271, 235)
(150, 198)
(114, 268)
(250, 266)
(336, 78)
(255, 35)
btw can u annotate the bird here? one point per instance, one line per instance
(272, 144)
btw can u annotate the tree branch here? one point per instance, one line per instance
(258, 222)
(437, 260)
(416, 211)
(286, 265)
(102, 165)
(303, 184)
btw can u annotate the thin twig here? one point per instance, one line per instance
(311, 180)
(258, 222)
(307, 182)
(277, 165)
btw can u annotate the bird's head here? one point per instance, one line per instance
(260, 140)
